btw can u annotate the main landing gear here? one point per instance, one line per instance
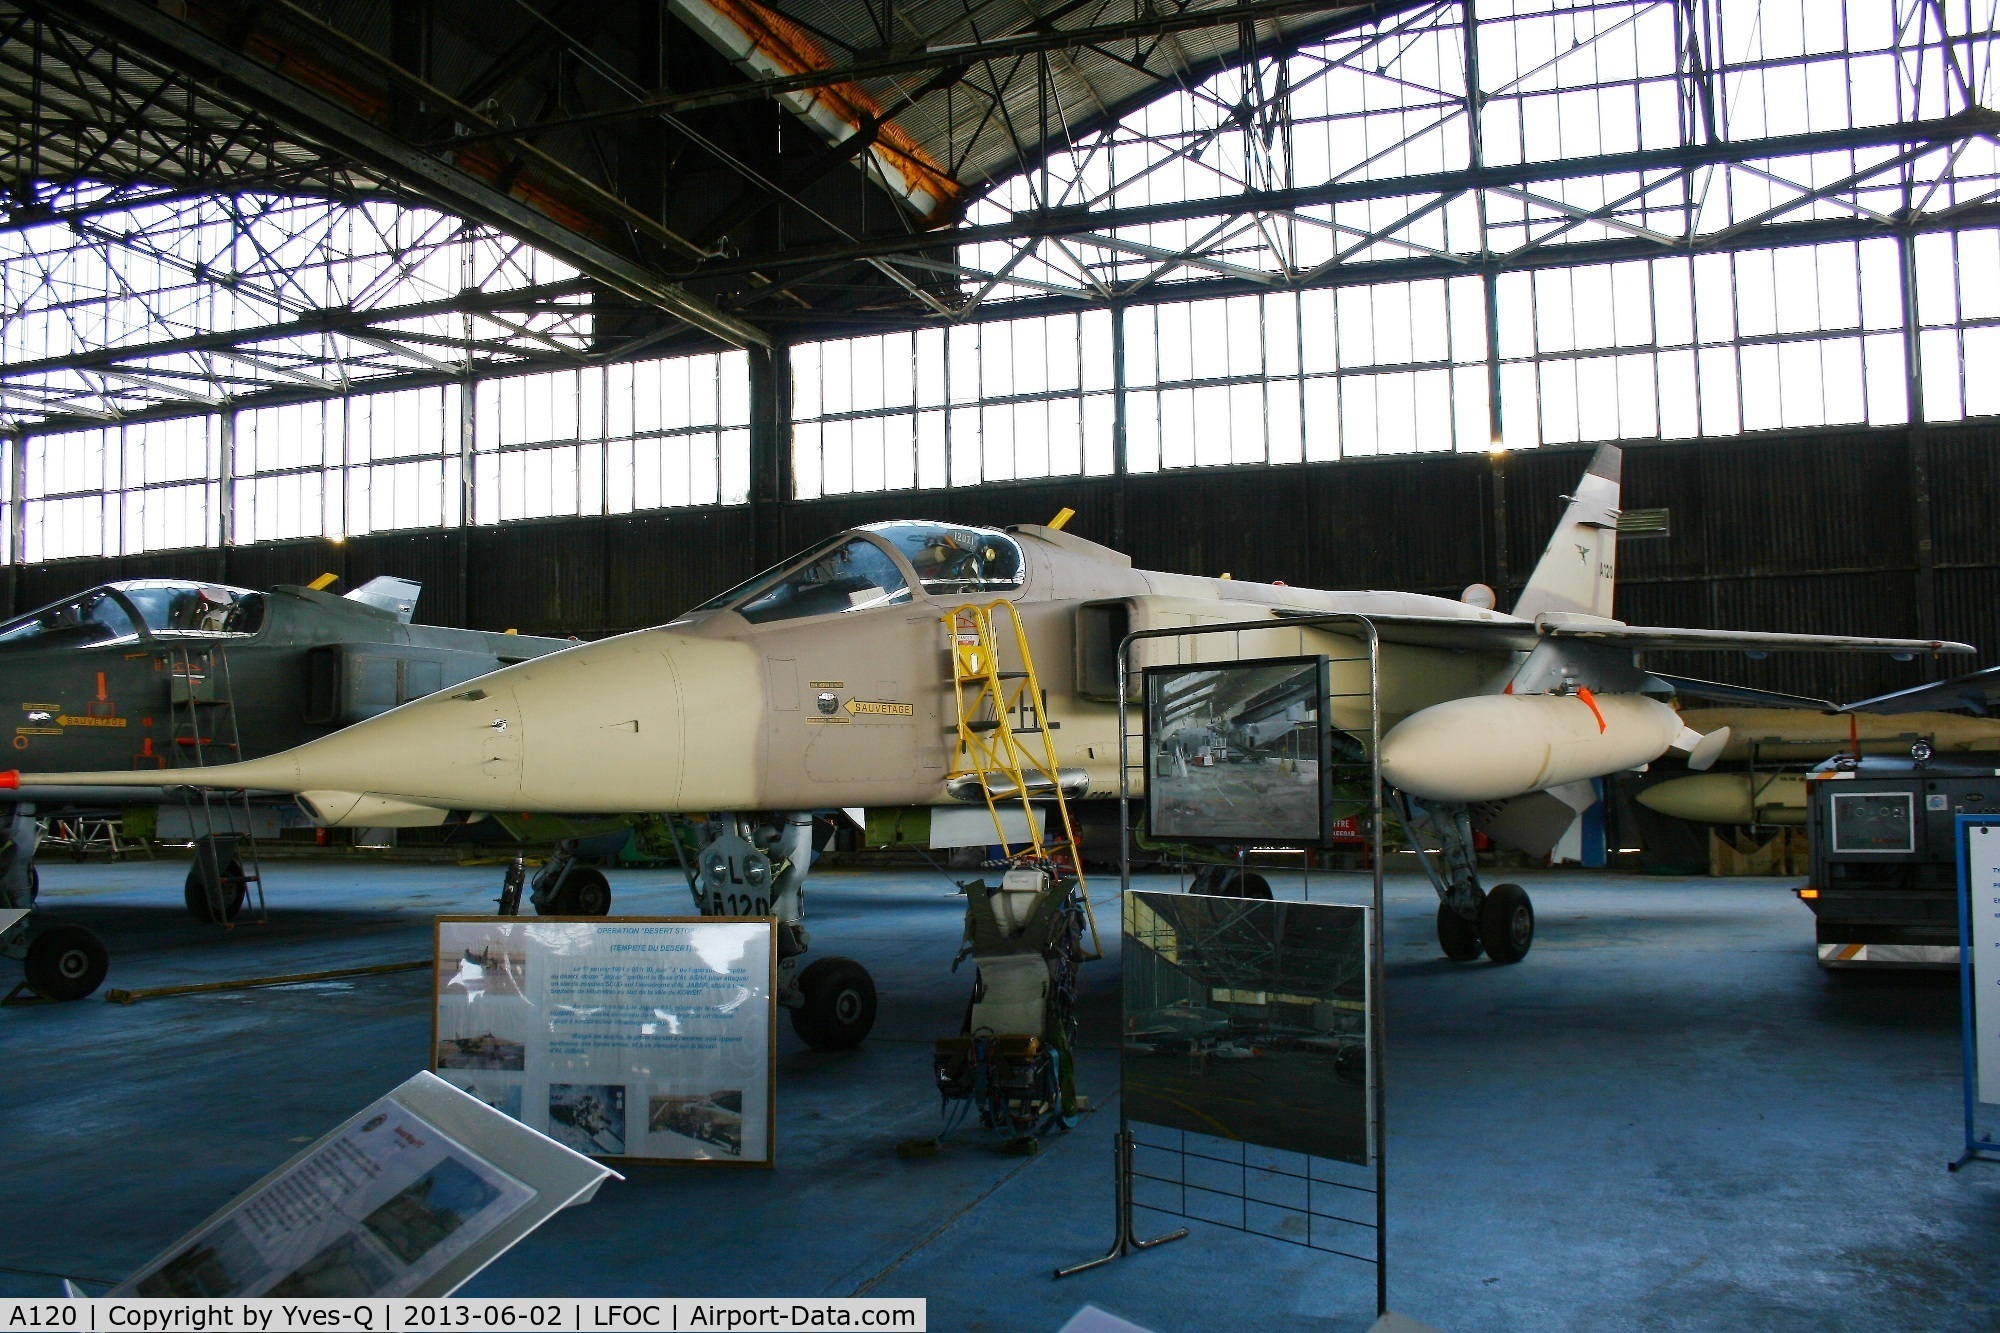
(1499, 923)
(59, 962)
(563, 886)
(756, 864)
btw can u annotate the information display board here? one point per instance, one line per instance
(1979, 969)
(627, 1038)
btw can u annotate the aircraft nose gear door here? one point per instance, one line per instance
(756, 865)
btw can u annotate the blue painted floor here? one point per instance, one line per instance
(1667, 1117)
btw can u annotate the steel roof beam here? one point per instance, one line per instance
(327, 124)
(349, 322)
(940, 57)
(1045, 223)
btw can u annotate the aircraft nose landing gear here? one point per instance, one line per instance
(65, 963)
(756, 865)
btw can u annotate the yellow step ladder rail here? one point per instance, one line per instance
(990, 746)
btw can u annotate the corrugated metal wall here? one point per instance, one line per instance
(1807, 531)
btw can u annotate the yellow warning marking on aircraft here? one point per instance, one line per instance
(38, 731)
(1062, 518)
(828, 721)
(50, 709)
(884, 709)
(323, 582)
(826, 684)
(67, 720)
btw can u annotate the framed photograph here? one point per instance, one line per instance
(628, 1039)
(1239, 752)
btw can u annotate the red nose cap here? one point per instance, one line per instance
(10, 780)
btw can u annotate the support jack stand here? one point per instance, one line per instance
(1123, 1242)
(22, 995)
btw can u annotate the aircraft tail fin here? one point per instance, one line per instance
(1577, 572)
(396, 596)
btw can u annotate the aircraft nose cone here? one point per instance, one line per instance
(652, 722)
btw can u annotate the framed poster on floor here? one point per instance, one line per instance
(643, 1039)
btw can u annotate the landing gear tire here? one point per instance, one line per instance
(839, 1008)
(584, 893)
(1507, 923)
(234, 891)
(1458, 937)
(65, 963)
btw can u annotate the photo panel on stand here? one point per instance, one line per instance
(1238, 752)
(1248, 1020)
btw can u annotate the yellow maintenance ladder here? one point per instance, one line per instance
(996, 709)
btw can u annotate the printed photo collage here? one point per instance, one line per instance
(493, 1036)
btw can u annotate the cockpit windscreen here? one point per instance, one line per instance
(116, 612)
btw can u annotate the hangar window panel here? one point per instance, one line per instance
(868, 414)
(1720, 345)
(280, 507)
(1958, 316)
(163, 518)
(396, 495)
(60, 529)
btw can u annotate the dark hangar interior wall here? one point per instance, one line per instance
(1810, 531)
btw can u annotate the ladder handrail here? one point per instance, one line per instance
(181, 664)
(999, 749)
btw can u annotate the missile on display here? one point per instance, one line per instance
(1731, 798)
(1801, 735)
(821, 684)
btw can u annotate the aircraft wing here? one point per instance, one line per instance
(1979, 692)
(1522, 636)
(1652, 638)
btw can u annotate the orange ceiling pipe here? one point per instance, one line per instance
(792, 50)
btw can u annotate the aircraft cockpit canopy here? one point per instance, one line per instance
(953, 559)
(853, 573)
(121, 612)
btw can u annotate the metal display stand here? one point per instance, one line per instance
(1979, 935)
(1124, 1238)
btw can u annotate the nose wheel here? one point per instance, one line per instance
(838, 1005)
(65, 963)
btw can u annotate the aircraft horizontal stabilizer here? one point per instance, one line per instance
(1978, 693)
(1715, 691)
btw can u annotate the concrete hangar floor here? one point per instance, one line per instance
(1667, 1117)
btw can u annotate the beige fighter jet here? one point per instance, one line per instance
(824, 683)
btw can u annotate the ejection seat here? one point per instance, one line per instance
(1012, 1058)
